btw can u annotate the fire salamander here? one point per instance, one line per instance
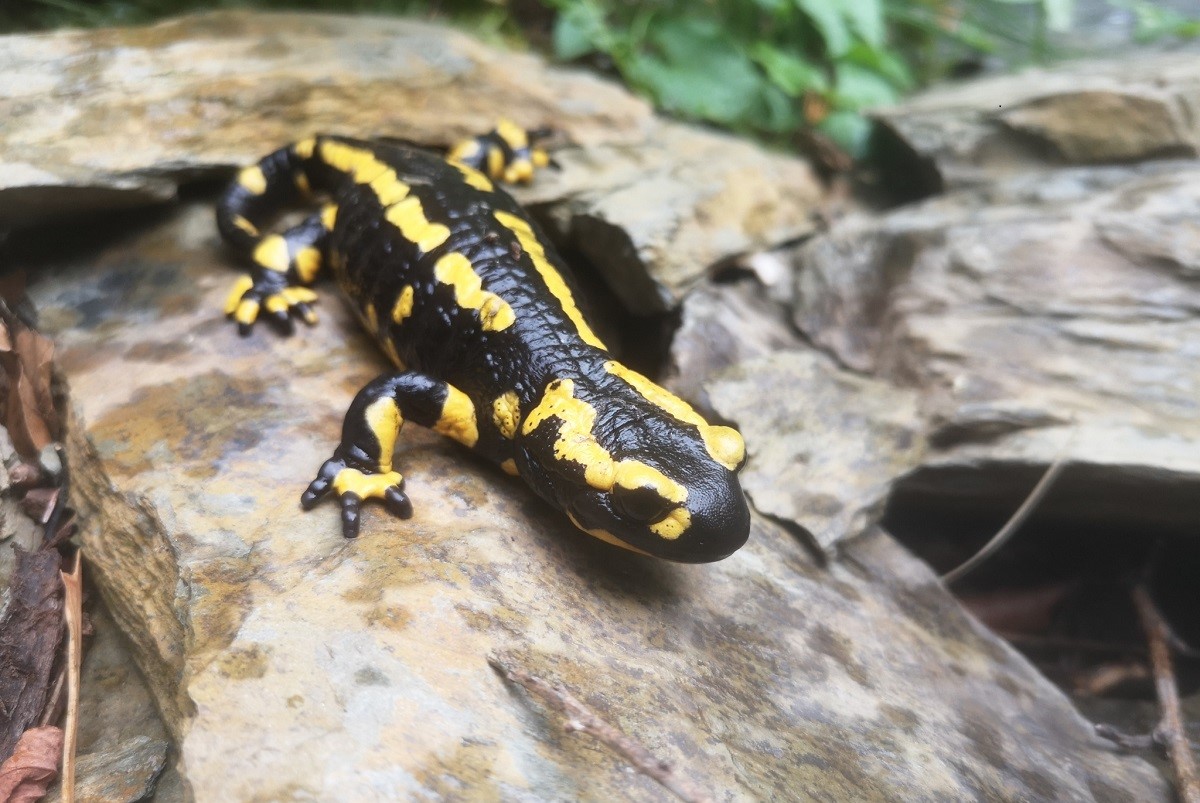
(468, 298)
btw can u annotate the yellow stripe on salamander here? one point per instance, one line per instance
(576, 442)
(409, 217)
(723, 444)
(455, 270)
(553, 279)
(458, 418)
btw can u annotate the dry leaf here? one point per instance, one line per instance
(25, 381)
(32, 767)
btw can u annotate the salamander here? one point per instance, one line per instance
(483, 320)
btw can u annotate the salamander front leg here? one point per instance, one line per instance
(284, 265)
(361, 466)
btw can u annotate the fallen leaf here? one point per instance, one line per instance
(32, 767)
(26, 360)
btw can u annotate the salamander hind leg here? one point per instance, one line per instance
(361, 467)
(284, 265)
(508, 153)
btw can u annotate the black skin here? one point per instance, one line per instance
(442, 345)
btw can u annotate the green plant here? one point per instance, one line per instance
(773, 66)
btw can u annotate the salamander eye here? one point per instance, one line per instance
(640, 504)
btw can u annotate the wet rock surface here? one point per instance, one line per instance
(822, 661)
(1079, 113)
(1041, 319)
(290, 662)
(137, 111)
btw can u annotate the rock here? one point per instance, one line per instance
(823, 444)
(291, 663)
(122, 745)
(722, 326)
(139, 110)
(1089, 112)
(1060, 322)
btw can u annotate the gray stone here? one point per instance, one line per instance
(1036, 327)
(291, 663)
(1085, 112)
(139, 110)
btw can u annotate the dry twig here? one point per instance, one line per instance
(73, 591)
(1014, 523)
(1170, 729)
(583, 719)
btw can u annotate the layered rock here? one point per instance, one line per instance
(291, 664)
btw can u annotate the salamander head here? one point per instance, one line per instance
(633, 465)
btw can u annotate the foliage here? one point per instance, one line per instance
(773, 66)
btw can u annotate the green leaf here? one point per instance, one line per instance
(579, 29)
(790, 73)
(867, 18)
(884, 62)
(698, 71)
(828, 21)
(849, 130)
(860, 88)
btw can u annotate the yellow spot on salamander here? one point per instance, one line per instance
(272, 253)
(253, 180)
(404, 304)
(301, 181)
(329, 216)
(245, 225)
(275, 303)
(515, 136)
(298, 295)
(633, 474)
(673, 525)
(458, 418)
(304, 148)
(385, 421)
(519, 172)
(473, 177)
(247, 312)
(409, 217)
(553, 279)
(605, 536)
(389, 189)
(509, 466)
(506, 413)
(455, 270)
(575, 442)
(466, 149)
(238, 290)
(365, 486)
(308, 263)
(495, 162)
(723, 444)
(360, 164)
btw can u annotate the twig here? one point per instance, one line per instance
(581, 718)
(1129, 741)
(1013, 524)
(1170, 730)
(73, 609)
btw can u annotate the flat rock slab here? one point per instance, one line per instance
(1076, 113)
(137, 111)
(1042, 318)
(291, 664)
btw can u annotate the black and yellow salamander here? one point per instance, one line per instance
(468, 298)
